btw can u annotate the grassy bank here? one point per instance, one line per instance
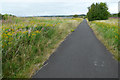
(107, 32)
(28, 42)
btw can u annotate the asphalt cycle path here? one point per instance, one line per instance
(80, 55)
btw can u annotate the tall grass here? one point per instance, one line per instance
(28, 42)
(107, 32)
(0, 50)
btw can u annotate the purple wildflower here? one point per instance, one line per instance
(20, 29)
(9, 30)
(42, 28)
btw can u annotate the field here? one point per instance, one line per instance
(28, 42)
(107, 31)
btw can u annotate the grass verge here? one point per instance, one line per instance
(28, 42)
(107, 32)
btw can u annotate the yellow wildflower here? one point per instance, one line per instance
(33, 34)
(9, 34)
(25, 32)
(37, 31)
(116, 37)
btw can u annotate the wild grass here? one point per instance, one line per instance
(28, 42)
(107, 31)
(0, 50)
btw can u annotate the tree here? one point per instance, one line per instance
(0, 16)
(119, 14)
(75, 15)
(5, 16)
(98, 11)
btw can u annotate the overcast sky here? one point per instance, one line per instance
(51, 7)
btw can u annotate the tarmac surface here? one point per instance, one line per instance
(80, 55)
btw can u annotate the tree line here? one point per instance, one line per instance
(6, 16)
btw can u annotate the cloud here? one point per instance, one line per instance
(113, 7)
(40, 7)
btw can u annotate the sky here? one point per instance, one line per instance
(51, 7)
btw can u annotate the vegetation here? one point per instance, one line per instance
(82, 15)
(0, 16)
(0, 47)
(107, 32)
(98, 11)
(28, 42)
(6, 16)
(113, 15)
(119, 14)
(75, 15)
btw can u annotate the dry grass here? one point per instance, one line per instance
(106, 31)
(33, 51)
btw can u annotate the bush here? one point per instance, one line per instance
(98, 11)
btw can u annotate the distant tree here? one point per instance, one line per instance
(85, 17)
(98, 11)
(5, 16)
(0, 16)
(114, 15)
(75, 15)
(119, 14)
(11, 15)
